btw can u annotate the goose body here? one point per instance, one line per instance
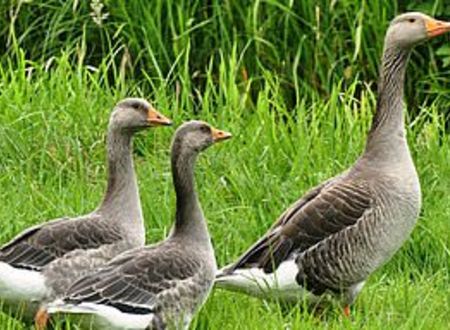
(149, 287)
(319, 248)
(42, 261)
(161, 285)
(30, 273)
(341, 231)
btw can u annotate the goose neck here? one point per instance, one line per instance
(388, 122)
(122, 194)
(189, 220)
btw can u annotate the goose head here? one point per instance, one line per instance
(407, 30)
(198, 135)
(134, 114)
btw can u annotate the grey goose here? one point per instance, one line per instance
(160, 285)
(340, 232)
(42, 261)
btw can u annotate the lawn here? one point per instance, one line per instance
(52, 164)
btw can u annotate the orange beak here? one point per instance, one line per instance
(219, 135)
(435, 27)
(157, 119)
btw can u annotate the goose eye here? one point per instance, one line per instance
(204, 129)
(411, 20)
(136, 105)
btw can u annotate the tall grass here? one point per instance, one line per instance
(52, 133)
(309, 45)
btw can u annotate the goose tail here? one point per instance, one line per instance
(252, 281)
(61, 307)
(280, 284)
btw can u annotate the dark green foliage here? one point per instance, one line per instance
(308, 45)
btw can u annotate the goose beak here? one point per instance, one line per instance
(435, 27)
(219, 135)
(157, 119)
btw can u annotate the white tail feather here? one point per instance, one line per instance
(280, 284)
(21, 284)
(59, 306)
(102, 316)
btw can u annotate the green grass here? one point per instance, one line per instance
(310, 44)
(52, 157)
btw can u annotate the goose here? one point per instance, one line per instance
(328, 242)
(42, 261)
(160, 285)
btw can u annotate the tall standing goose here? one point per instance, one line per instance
(341, 231)
(161, 285)
(43, 260)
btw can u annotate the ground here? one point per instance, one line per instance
(52, 156)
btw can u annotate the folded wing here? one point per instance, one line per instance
(324, 211)
(135, 281)
(36, 247)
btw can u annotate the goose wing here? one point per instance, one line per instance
(37, 246)
(322, 212)
(136, 281)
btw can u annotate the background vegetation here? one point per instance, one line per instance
(308, 45)
(293, 80)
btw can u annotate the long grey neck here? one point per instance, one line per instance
(387, 135)
(189, 219)
(121, 201)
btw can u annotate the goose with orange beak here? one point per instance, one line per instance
(42, 261)
(332, 239)
(160, 286)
